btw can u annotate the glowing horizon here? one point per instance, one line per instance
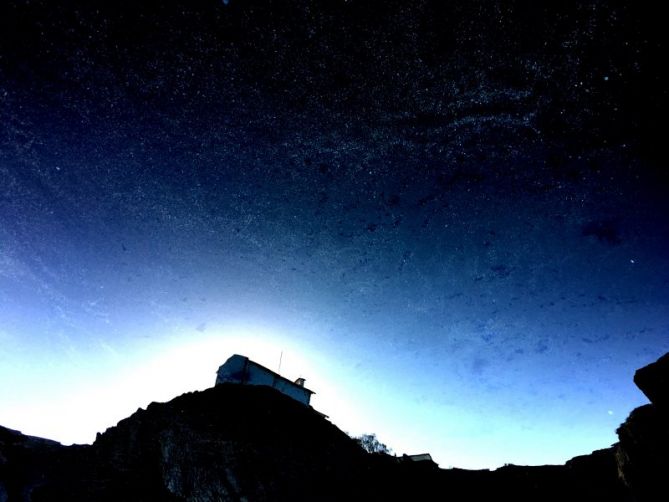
(74, 414)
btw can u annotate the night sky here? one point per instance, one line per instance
(450, 217)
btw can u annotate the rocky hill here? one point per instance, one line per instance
(644, 437)
(235, 442)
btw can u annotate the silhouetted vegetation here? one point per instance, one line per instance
(371, 444)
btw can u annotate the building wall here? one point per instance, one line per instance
(422, 457)
(295, 391)
(239, 369)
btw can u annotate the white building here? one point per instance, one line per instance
(241, 370)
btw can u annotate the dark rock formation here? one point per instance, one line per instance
(642, 457)
(653, 380)
(227, 443)
(235, 442)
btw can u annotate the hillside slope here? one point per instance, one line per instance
(234, 442)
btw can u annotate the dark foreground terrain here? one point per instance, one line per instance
(234, 442)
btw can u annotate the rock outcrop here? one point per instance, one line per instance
(653, 380)
(230, 442)
(643, 461)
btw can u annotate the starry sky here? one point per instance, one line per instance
(449, 217)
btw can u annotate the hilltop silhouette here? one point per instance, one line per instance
(251, 442)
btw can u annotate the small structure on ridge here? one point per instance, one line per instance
(241, 370)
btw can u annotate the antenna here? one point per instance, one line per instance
(280, 358)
